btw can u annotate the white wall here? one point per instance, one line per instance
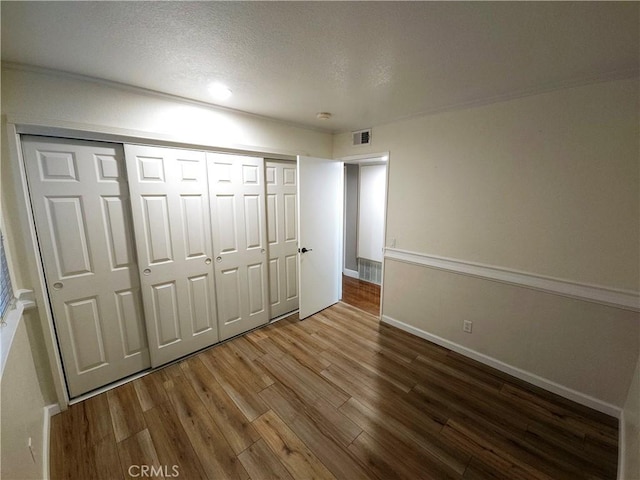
(22, 412)
(547, 185)
(371, 207)
(351, 217)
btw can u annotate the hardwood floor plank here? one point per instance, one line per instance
(76, 437)
(337, 395)
(60, 457)
(150, 389)
(373, 367)
(235, 427)
(311, 427)
(261, 463)
(126, 414)
(171, 442)
(107, 460)
(571, 419)
(245, 368)
(385, 461)
(246, 399)
(309, 385)
(98, 419)
(386, 430)
(137, 455)
(291, 451)
(361, 294)
(390, 403)
(303, 354)
(216, 456)
(482, 448)
(329, 420)
(471, 402)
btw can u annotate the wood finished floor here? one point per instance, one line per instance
(364, 295)
(338, 395)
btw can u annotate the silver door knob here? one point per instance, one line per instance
(58, 286)
(208, 261)
(218, 259)
(147, 271)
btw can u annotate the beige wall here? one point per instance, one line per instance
(549, 185)
(546, 184)
(583, 346)
(22, 410)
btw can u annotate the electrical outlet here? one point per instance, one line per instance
(467, 326)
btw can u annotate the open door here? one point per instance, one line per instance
(320, 224)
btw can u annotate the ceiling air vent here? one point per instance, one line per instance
(362, 137)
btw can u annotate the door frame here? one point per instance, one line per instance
(20, 125)
(369, 159)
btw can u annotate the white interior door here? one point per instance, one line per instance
(320, 210)
(239, 235)
(81, 206)
(170, 205)
(282, 236)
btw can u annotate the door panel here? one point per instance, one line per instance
(170, 201)
(79, 198)
(282, 236)
(131, 321)
(239, 236)
(320, 200)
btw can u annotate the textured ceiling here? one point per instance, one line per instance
(366, 62)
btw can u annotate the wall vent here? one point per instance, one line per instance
(362, 137)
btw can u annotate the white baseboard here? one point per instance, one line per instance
(49, 411)
(529, 377)
(351, 273)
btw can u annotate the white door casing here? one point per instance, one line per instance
(81, 208)
(282, 236)
(170, 206)
(320, 226)
(239, 236)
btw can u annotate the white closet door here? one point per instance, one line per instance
(282, 236)
(170, 205)
(239, 236)
(81, 207)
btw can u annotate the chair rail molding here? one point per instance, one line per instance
(625, 299)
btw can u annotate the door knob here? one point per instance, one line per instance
(58, 285)
(305, 250)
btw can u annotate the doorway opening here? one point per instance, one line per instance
(365, 195)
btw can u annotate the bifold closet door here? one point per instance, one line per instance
(170, 206)
(282, 235)
(81, 208)
(239, 237)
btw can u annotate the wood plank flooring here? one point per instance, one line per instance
(336, 396)
(361, 294)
